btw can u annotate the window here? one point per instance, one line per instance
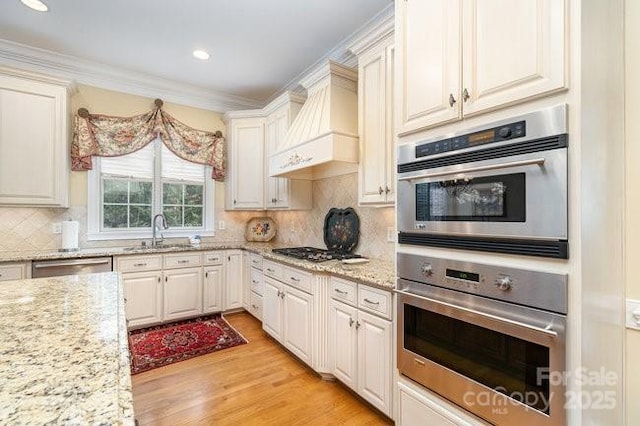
(126, 192)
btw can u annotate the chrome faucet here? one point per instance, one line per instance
(154, 241)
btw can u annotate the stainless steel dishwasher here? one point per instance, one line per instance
(56, 268)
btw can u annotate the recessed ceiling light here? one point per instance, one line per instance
(201, 54)
(35, 5)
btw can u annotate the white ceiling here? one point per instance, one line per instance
(257, 46)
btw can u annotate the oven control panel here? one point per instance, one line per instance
(495, 134)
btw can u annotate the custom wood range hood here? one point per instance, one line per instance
(323, 139)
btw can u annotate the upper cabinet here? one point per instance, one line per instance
(283, 193)
(253, 136)
(34, 140)
(245, 182)
(458, 58)
(376, 170)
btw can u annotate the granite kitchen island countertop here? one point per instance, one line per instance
(64, 355)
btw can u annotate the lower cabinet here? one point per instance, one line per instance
(143, 296)
(287, 315)
(360, 344)
(212, 290)
(233, 280)
(182, 293)
(14, 271)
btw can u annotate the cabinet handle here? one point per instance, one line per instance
(255, 282)
(337, 290)
(139, 264)
(350, 321)
(159, 279)
(357, 325)
(386, 189)
(380, 190)
(371, 301)
(295, 279)
(166, 279)
(270, 270)
(452, 100)
(254, 306)
(182, 262)
(465, 95)
(255, 262)
(0, 275)
(125, 300)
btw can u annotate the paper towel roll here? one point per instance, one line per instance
(70, 234)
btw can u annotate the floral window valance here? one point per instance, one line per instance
(107, 136)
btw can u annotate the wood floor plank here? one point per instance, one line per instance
(259, 383)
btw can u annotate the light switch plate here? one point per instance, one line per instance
(633, 314)
(222, 225)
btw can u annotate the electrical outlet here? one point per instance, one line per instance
(56, 228)
(391, 234)
(222, 225)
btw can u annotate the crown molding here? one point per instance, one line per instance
(341, 54)
(282, 100)
(379, 32)
(57, 65)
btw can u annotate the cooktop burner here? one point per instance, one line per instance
(315, 254)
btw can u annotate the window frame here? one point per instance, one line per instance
(95, 232)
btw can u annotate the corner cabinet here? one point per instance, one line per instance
(34, 140)
(245, 180)
(457, 58)
(376, 177)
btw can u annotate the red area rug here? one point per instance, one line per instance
(168, 343)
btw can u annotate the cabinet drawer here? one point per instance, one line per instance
(257, 281)
(213, 257)
(138, 263)
(182, 260)
(374, 300)
(255, 260)
(297, 278)
(272, 269)
(255, 305)
(13, 272)
(344, 291)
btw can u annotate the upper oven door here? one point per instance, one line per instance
(520, 196)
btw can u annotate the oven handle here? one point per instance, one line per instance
(538, 161)
(484, 314)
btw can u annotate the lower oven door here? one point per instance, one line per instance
(497, 368)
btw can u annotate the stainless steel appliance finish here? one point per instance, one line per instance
(56, 268)
(506, 180)
(485, 337)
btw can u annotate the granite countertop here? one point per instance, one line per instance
(64, 356)
(376, 272)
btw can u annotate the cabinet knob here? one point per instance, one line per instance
(380, 190)
(350, 321)
(235, 201)
(452, 100)
(465, 95)
(386, 189)
(357, 325)
(206, 275)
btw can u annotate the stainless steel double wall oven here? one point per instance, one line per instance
(500, 187)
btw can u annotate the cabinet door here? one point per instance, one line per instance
(343, 343)
(212, 292)
(246, 280)
(500, 68)
(143, 295)
(182, 293)
(233, 280)
(374, 361)
(272, 312)
(34, 167)
(372, 105)
(390, 126)
(277, 195)
(428, 63)
(255, 306)
(13, 271)
(246, 165)
(414, 412)
(298, 327)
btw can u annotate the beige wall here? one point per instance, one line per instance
(632, 197)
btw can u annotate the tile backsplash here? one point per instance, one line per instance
(27, 228)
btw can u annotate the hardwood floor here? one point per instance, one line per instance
(254, 384)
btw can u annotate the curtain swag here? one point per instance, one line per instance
(107, 136)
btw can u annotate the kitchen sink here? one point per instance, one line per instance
(157, 247)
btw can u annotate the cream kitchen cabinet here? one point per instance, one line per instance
(182, 293)
(14, 271)
(143, 293)
(233, 280)
(376, 177)
(288, 308)
(212, 289)
(34, 140)
(246, 283)
(255, 285)
(457, 58)
(360, 342)
(245, 179)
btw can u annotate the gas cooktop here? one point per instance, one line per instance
(315, 254)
